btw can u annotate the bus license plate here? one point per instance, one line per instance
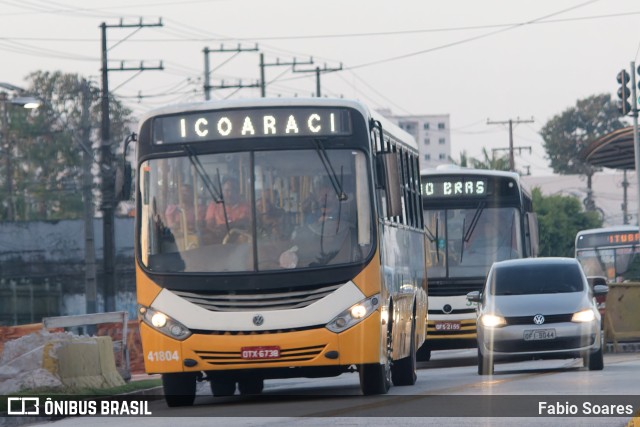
(539, 334)
(256, 353)
(447, 326)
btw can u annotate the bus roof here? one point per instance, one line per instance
(613, 228)
(459, 170)
(404, 137)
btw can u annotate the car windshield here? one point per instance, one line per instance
(535, 279)
(255, 211)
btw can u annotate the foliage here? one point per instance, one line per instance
(571, 131)
(494, 163)
(464, 159)
(489, 162)
(46, 149)
(559, 219)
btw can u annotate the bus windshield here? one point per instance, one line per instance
(255, 211)
(470, 240)
(616, 264)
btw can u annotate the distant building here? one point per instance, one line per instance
(432, 133)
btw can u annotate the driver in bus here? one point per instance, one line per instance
(324, 238)
(491, 242)
(232, 211)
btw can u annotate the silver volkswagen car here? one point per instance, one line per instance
(538, 308)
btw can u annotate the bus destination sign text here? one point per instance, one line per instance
(251, 123)
(454, 187)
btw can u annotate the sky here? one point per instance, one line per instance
(478, 61)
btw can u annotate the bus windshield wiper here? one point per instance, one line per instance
(215, 193)
(466, 234)
(336, 183)
(333, 177)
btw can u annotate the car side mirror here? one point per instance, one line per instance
(473, 296)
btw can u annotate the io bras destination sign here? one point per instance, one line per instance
(458, 187)
(251, 123)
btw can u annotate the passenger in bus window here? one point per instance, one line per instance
(176, 214)
(230, 213)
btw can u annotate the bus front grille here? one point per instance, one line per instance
(225, 302)
(219, 358)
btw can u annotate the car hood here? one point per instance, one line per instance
(524, 305)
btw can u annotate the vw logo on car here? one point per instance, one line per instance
(538, 319)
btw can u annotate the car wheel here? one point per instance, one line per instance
(179, 389)
(485, 364)
(594, 361)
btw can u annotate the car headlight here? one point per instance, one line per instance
(354, 314)
(492, 321)
(164, 324)
(583, 316)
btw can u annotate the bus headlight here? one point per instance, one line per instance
(583, 316)
(354, 314)
(164, 324)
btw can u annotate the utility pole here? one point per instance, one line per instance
(625, 185)
(263, 84)
(87, 198)
(511, 122)
(318, 70)
(636, 141)
(207, 73)
(511, 149)
(107, 169)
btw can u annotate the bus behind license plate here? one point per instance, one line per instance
(447, 326)
(256, 353)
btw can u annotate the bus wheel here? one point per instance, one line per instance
(424, 354)
(403, 371)
(376, 378)
(179, 389)
(251, 386)
(222, 386)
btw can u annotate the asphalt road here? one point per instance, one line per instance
(448, 386)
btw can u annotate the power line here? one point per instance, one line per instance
(469, 39)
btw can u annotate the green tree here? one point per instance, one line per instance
(489, 162)
(464, 159)
(559, 220)
(568, 133)
(46, 154)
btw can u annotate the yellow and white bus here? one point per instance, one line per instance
(473, 218)
(278, 238)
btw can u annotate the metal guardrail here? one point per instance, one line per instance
(96, 319)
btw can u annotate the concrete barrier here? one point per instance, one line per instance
(120, 317)
(622, 315)
(83, 362)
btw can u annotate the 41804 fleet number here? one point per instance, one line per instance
(163, 356)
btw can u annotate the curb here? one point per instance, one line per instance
(623, 347)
